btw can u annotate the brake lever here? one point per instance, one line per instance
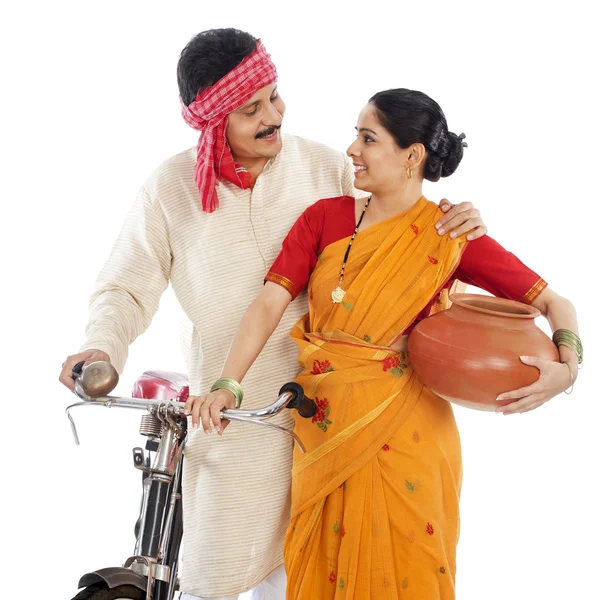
(72, 422)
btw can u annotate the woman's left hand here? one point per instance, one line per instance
(554, 378)
(208, 409)
(460, 219)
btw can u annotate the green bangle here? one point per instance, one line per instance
(565, 337)
(227, 383)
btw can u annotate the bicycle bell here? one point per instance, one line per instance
(99, 379)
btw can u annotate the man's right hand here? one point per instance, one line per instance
(89, 356)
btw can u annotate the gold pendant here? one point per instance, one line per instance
(338, 295)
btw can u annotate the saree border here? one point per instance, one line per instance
(342, 436)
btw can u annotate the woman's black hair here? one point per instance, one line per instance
(208, 57)
(412, 117)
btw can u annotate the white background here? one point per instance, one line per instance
(90, 107)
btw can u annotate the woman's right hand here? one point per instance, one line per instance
(555, 377)
(208, 410)
(89, 356)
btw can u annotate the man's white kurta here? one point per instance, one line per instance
(236, 487)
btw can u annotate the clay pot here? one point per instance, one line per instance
(469, 354)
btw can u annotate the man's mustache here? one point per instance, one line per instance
(267, 132)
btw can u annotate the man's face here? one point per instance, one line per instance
(253, 129)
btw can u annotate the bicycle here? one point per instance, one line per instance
(151, 572)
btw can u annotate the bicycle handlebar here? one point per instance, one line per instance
(291, 396)
(287, 399)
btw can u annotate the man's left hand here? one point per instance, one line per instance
(460, 219)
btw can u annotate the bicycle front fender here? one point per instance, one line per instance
(113, 577)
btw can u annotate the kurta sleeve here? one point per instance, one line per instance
(299, 252)
(487, 265)
(130, 285)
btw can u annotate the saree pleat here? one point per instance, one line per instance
(375, 498)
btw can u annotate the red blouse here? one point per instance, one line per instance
(484, 263)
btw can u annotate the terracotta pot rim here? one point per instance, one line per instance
(464, 300)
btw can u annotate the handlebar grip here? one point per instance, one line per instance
(305, 406)
(77, 369)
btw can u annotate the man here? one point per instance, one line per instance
(211, 221)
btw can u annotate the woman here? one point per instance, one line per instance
(375, 498)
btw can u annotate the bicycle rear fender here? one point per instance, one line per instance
(113, 577)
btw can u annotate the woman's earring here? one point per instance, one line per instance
(408, 172)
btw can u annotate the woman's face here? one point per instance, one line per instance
(379, 164)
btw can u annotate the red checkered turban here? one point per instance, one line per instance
(208, 114)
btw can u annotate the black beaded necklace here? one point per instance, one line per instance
(338, 294)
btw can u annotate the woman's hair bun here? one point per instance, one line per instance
(455, 153)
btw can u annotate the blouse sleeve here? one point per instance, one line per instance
(299, 253)
(487, 265)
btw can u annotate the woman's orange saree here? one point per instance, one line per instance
(375, 498)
